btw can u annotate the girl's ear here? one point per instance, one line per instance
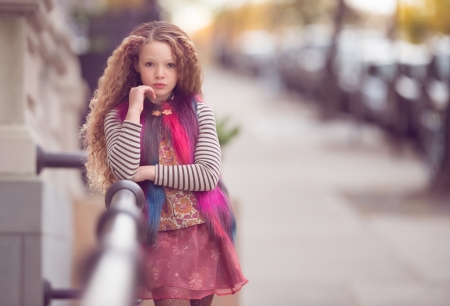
(136, 66)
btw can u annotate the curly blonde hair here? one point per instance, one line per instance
(117, 80)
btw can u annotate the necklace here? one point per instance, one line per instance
(166, 108)
(164, 112)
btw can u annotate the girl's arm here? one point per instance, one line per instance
(123, 141)
(123, 144)
(204, 173)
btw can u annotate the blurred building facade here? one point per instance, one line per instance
(105, 31)
(42, 97)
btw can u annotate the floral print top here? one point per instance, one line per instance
(180, 207)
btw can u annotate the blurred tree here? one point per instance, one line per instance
(413, 20)
(272, 15)
(440, 22)
(419, 20)
(299, 12)
(268, 15)
(330, 96)
(305, 12)
(439, 15)
(246, 17)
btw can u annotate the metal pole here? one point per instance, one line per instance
(114, 278)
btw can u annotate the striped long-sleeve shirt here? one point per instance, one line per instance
(123, 147)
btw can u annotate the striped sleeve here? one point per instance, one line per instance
(123, 142)
(203, 175)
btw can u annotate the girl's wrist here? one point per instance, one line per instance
(145, 173)
(134, 115)
(151, 172)
(135, 110)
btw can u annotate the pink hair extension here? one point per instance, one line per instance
(198, 98)
(215, 207)
(180, 139)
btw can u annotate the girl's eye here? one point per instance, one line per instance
(171, 65)
(149, 64)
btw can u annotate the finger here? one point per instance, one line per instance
(150, 91)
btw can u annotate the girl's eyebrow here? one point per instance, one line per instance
(149, 58)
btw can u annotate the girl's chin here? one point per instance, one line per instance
(161, 98)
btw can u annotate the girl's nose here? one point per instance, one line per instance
(159, 72)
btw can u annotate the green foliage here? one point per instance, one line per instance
(225, 132)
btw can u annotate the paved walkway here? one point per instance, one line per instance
(306, 193)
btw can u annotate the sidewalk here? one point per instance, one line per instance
(308, 230)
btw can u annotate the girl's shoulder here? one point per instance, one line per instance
(112, 119)
(112, 113)
(111, 116)
(118, 112)
(200, 105)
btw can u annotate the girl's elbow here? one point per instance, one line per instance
(206, 188)
(123, 176)
(212, 183)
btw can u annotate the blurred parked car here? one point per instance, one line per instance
(401, 87)
(364, 67)
(254, 52)
(437, 100)
(409, 84)
(302, 65)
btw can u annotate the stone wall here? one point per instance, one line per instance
(42, 94)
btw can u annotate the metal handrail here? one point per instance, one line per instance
(113, 268)
(113, 276)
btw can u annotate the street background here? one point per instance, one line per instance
(340, 170)
(334, 123)
(328, 213)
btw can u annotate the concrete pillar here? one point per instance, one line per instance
(16, 142)
(41, 98)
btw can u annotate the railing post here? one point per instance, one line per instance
(60, 294)
(59, 160)
(113, 276)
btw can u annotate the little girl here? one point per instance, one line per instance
(148, 124)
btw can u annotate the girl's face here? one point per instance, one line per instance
(157, 68)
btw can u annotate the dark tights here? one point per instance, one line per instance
(172, 302)
(206, 301)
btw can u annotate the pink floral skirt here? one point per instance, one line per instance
(190, 264)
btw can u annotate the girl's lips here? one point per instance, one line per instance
(159, 85)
